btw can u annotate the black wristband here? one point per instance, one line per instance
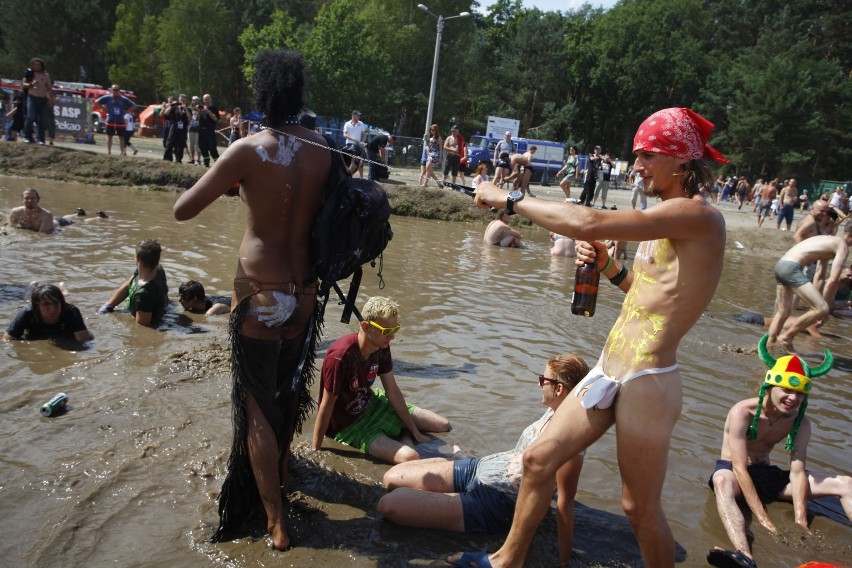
(619, 278)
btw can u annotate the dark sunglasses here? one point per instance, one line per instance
(542, 380)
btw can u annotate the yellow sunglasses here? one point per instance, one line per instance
(385, 330)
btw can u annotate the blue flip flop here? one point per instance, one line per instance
(473, 560)
(729, 559)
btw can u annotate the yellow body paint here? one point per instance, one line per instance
(635, 351)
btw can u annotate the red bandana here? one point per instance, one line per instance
(677, 132)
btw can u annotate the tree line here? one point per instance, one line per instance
(773, 75)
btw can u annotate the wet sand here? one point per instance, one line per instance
(131, 474)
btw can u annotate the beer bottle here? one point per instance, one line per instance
(585, 290)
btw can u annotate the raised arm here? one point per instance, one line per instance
(679, 218)
(225, 173)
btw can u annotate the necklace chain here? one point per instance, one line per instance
(398, 172)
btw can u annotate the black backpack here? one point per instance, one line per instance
(350, 230)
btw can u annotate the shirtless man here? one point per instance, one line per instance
(522, 179)
(683, 242)
(766, 195)
(792, 282)
(753, 428)
(499, 232)
(30, 215)
(809, 226)
(282, 181)
(787, 199)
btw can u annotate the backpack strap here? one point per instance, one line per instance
(348, 301)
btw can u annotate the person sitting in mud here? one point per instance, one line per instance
(522, 170)
(499, 233)
(48, 316)
(194, 300)
(282, 172)
(562, 246)
(743, 473)
(351, 411)
(147, 291)
(793, 282)
(31, 216)
(478, 494)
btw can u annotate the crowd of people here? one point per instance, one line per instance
(276, 320)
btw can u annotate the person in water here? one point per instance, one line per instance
(282, 172)
(48, 316)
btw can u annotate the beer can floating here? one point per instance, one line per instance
(55, 405)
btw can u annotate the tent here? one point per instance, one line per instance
(149, 121)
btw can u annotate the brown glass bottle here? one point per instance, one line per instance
(585, 290)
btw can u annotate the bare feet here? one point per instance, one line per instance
(786, 344)
(280, 539)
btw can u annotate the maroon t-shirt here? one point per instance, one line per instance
(348, 375)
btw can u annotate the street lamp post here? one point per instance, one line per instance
(441, 21)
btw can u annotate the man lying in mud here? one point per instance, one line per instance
(752, 430)
(272, 326)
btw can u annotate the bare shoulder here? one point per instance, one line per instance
(687, 219)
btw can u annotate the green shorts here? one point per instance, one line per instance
(378, 419)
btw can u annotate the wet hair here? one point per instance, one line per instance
(31, 190)
(279, 84)
(191, 290)
(148, 252)
(379, 307)
(35, 60)
(500, 212)
(504, 155)
(47, 292)
(699, 177)
(533, 149)
(568, 369)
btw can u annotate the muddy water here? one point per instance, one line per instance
(129, 476)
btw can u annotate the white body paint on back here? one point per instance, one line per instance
(287, 148)
(277, 314)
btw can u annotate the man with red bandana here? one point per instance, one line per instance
(674, 276)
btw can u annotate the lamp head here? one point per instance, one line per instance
(423, 7)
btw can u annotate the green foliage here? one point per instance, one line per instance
(279, 33)
(774, 76)
(133, 47)
(197, 49)
(347, 62)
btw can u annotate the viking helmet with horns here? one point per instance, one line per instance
(789, 372)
